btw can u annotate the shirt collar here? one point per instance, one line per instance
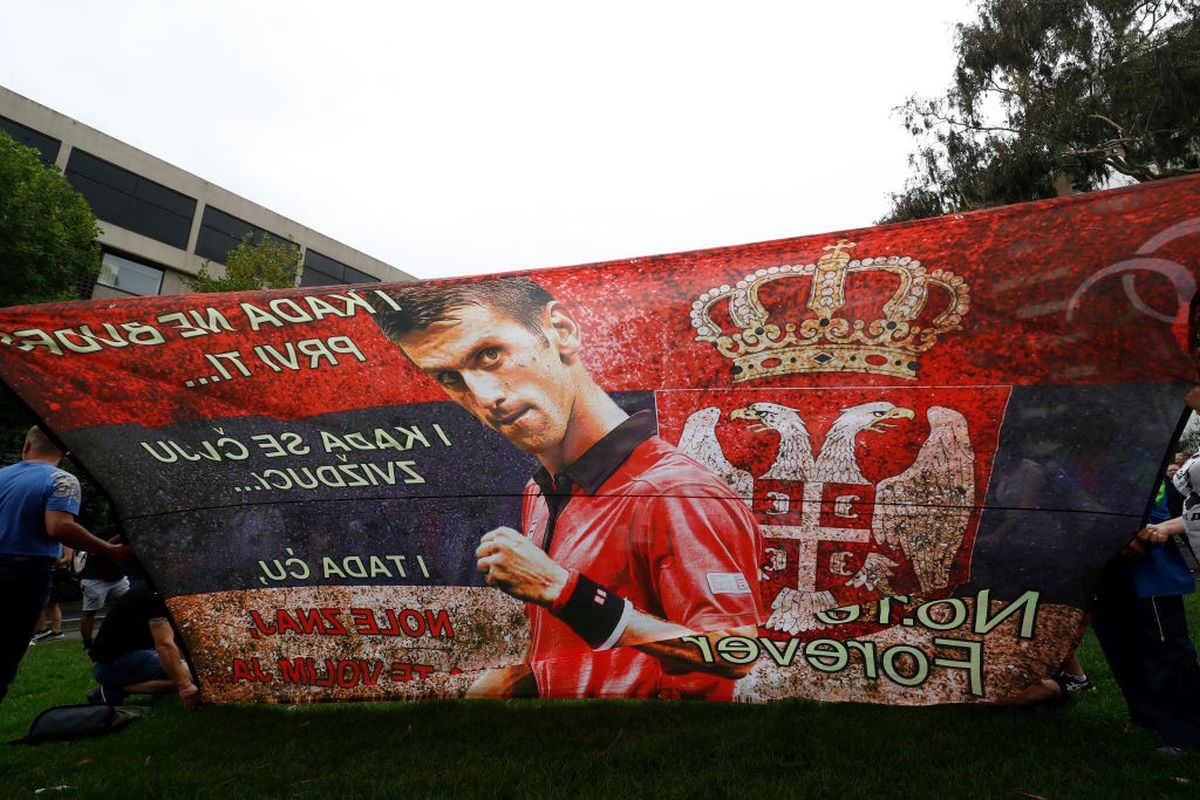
(602, 459)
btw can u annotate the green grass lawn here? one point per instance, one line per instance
(602, 749)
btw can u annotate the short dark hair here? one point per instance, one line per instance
(41, 444)
(422, 304)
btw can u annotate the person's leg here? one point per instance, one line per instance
(1072, 677)
(1042, 691)
(25, 586)
(93, 601)
(1179, 653)
(87, 622)
(63, 588)
(40, 625)
(109, 692)
(1173, 674)
(125, 675)
(49, 624)
(160, 686)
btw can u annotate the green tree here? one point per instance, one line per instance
(47, 250)
(1054, 96)
(269, 264)
(47, 230)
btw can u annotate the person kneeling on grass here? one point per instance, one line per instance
(135, 653)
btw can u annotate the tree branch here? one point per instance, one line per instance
(969, 127)
(1103, 118)
(1000, 89)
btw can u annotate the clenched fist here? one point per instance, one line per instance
(517, 566)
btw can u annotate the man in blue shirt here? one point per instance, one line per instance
(38, 504)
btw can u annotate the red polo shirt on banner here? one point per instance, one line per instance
(639, 517)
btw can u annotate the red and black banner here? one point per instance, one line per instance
(890, 463)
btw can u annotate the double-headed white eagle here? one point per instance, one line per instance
(924, 511)
(837, 461)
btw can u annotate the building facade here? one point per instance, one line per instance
(159, 223)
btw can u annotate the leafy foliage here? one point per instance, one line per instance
(47, 230)
(1051, 96)
(268, 264)
(47, 248)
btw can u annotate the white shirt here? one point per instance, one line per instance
(1187, 483)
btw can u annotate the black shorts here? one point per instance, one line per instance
(64, 586)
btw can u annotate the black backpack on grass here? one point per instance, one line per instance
(65, 723)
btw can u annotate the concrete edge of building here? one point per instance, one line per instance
(179, 263)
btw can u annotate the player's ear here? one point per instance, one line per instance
(562, 330)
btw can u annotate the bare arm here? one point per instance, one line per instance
(680, 647)
(1155, 533)
(172, 662)
(1159, 532)
(61, 526)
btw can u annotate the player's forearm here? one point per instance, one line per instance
(673, 644)
(604, 619)
(514, 681)
(679, 647)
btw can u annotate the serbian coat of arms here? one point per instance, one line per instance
(868, 497)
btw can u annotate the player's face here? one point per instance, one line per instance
(510, 378)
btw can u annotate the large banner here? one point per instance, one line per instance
(881, 465)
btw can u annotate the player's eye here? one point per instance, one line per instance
(489, 356)
(448, 378)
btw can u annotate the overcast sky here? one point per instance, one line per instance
(465, 138)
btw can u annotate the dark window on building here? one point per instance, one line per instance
(354, 276)
(310, 277)
(47, 146)
(322, 270)
(134, 277)
(221, 232)
(127, 199)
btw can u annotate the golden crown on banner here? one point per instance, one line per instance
(823, 341)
